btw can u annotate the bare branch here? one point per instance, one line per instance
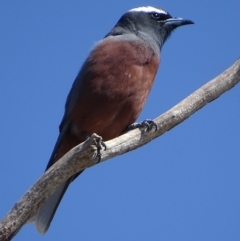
(83, 155)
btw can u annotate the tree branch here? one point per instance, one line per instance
(84, 155)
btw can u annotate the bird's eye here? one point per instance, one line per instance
(159, 16)
(156, 15)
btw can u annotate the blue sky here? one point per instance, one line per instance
(184, 185)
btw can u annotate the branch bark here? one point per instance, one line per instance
(84, 155)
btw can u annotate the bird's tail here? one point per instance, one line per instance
(46, 212)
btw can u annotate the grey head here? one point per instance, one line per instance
(146, 22)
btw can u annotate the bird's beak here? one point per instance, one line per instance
(177, 22)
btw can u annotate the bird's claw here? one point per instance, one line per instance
(100, 146)
(147, 124)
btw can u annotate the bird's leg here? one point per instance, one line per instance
(147, 124)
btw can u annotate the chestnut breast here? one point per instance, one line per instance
(112, 86)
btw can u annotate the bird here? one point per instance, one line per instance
(111, 88)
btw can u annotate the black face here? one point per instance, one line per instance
(148, 21)
(151, 23)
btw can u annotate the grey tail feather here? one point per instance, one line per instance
(46, 213)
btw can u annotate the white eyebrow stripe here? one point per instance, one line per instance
(148, 9)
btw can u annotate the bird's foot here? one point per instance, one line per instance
(147, 124)
(100, 145)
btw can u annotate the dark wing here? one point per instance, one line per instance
(46, 213)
